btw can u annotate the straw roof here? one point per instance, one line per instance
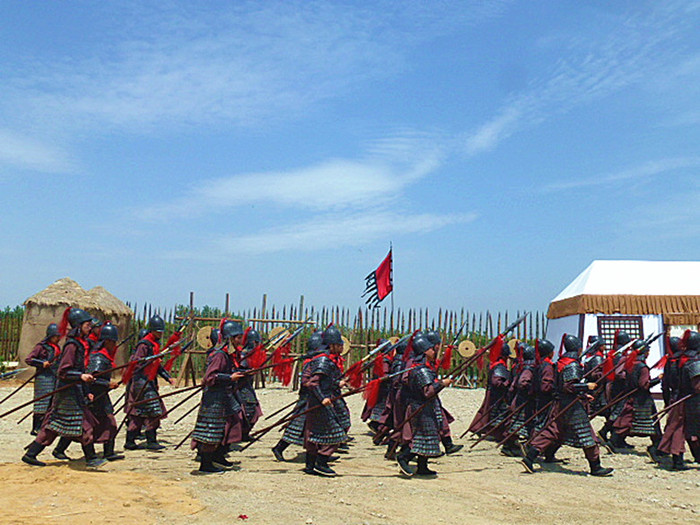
(109, 304)
(67, 292)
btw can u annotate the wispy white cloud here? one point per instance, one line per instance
(592, 67)
(354, 230)
(21, 152)
(244, 63)
(378, 178)
(635, 173)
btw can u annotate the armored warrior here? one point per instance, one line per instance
(94, 337)
(593, 366)
(568, 424)
(102, 359)
(494, 408)
(616, 385)
(45, 357)
(420, 436)
(220, 418)
(394, 407)
(144, 388)
(545, 388)
(684, 419)
(328, 418)
(294, 431)
(69, 417)
(523, 403)
(639, 410)
(447, 418)
(245, 391)
(374, 413)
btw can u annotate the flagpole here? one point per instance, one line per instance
(391, 249)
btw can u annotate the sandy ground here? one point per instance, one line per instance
(480, 484)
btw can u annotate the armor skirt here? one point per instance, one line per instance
(425, 430)
(66, 415)
(43, 384)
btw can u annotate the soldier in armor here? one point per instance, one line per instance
(639, 411)
(102, 359)
(245, 391)
(523, 403)
(143, 388)
(593, 366)
(670, 381)
(420, 437)
(569, 426)
(326, 423)
(69, 418)
(683, 422)
(220, 418)
(45, 357)
(447, 418)
(374, 413)
(394, 408)
(545, 391)
(294, 431)
(94, 336)
(615, 386)
(494, 407)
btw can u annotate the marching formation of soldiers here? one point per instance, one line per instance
(533, 403)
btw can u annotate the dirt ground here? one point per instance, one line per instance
(478, 484)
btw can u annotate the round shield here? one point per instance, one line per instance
(204, 337)
(278, 334)
(466, 348)
(512, 344)
(346, 345)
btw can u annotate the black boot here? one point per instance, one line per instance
(152, 441)
(33, 450)
(423, 469)
(402, 458)
(206, 464)
(450, 447)
(597, 470)
(279, 448)
(60, 451)
(131, 440)
(310, 463)
(37, 420)
(511, 449)
(219, 458)
(109, 453)
(653, 453)
(321, 467)
(529, 460)
(678, 463)
(91, 458)
(373, 426)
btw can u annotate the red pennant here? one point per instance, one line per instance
(609, 366)
(257, 357)
(354, 375)
(378, 368)
(446, 361)
(662, 362)
(371, 393)
(538, 359)
(495, 352)
(283, 371)
(129, 372)
(152, 368)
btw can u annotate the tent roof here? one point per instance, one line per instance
(635, 288)
(66, 292)
(635, 278)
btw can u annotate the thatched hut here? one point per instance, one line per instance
(47, 307)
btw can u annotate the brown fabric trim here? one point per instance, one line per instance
(680, 309)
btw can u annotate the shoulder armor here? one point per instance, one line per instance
(572, 372)
(693, 368)
(422, 376)
(98, 363)
(323, 365)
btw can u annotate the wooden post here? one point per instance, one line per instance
(227, 305)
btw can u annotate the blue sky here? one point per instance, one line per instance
(279, 147)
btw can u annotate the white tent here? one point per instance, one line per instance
(641, 297)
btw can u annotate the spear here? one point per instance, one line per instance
(256, 436)
(510, 416)
(64, 387)
(661, 413)
(8, 396)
